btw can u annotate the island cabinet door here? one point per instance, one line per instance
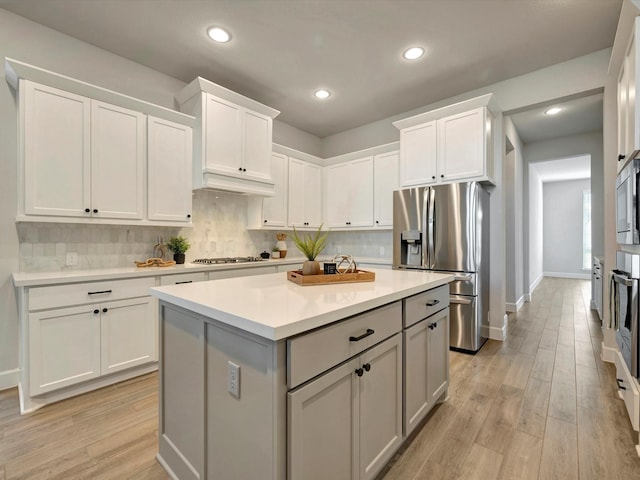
(323, 426)
(380, 388)
(438, 360)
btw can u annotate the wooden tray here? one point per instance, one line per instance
(296, 276)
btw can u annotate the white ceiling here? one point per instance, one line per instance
(282, 50)
(572, 168)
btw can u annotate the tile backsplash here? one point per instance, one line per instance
(219, 230)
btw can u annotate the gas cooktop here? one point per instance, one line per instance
(214, 261)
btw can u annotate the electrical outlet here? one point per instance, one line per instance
(233, 379)
(72, 259)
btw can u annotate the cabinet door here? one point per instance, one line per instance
(632, 135)
(385, 181)
(64, 347)
(57, 155)
(418, 154)
(274, 209)
(337, 190)
(323, 426)
(416, 389)
(128, 334)
(361, 193)
(623, 108)
(296, 194)
(256, 145)
(117, 161)
(222, 136)
(461, 145)
(380, 406)
(170, 161)
(438, 359)
(312, 195)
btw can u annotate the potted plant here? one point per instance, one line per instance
(275, 253)
(311, 247)
(178, 245)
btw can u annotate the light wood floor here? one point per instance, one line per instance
(539, 406)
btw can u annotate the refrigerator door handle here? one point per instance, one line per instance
(460, 300)
(431, 226)
(462, 278)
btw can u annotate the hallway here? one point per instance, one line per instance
(541, 405)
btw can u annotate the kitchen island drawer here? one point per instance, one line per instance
(183, 278)
(311, 354)
(57, 296)
(424, 304)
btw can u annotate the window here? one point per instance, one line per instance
(586, 229)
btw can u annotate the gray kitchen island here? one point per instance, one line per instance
(261, 378)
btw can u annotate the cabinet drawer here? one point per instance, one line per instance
(313, 353)
(183, 278)
(424, 304)
(630, 394)
(57, 296)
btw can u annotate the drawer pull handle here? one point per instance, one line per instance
(364, 335)
(367, 367)
(432, 303)
(100, 292)
(186, 281)
(359, 372)
(431, 326)
(619, 381)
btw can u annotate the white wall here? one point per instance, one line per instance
(535, 228)
(562, 228)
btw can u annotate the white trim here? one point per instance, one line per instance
(580, 276)
(592, 305)
(371, 151)
(497, 333)
(515, 307)
(527, 297)
(608, 354)
(535, 284)
(292, 152)
(9, 378)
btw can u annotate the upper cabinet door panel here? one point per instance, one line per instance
(385, 177)
(296, 193)
(56, 147)
(312, 195)
(361, 193)
(418, 154)
(170, 161)
(223, 152)
(337, 191)
(117, 161)
(274, 209)
(257, 145)
(461, 145)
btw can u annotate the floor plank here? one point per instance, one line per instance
(560, 451)
(522, 458)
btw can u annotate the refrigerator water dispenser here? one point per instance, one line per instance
(411, 245)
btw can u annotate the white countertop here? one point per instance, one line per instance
(274, 308)
(34, 279)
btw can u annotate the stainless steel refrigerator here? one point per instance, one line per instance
(446, 228)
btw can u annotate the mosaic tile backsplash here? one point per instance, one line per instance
(219, 230)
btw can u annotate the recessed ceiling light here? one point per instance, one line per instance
(322, 94)
(218, 34)
(413, 53)
(553, 111)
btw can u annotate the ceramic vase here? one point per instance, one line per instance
(311, 267)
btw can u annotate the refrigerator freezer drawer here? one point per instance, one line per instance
(463, 283)
(465, 327)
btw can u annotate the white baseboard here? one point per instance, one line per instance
(535, 284)
(608, 354)
(579, 276)
(515, 307)
(499, 333)
(592, 305)
(9, 378)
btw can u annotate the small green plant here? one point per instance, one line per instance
(178, 244)
(310, 246)
(275, 249)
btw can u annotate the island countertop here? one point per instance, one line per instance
(272, 307)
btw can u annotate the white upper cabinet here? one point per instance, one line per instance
(117, 161)
(232, 139)
(452, 143)
(628, 111)
(83, 153)
(170, 159)
(349, 194)
(57, 151)
(385, 181)
(268, 212)
(305, 193)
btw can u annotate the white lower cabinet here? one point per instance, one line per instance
(426, 373)
(348, 422)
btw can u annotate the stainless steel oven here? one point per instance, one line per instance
(627, 199)
(624, 318)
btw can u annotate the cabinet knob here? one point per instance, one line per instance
(96, 311)
(87, 210)
(244, 169)
(95, 210)
(359, 372)
(367, 367)
(621, 157)
(188, 215)
(105, 310)
(377, 221)
(239, 169)
(433, 177)
(442, 176)
(265, 221)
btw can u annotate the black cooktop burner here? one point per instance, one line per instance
(217, 260)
